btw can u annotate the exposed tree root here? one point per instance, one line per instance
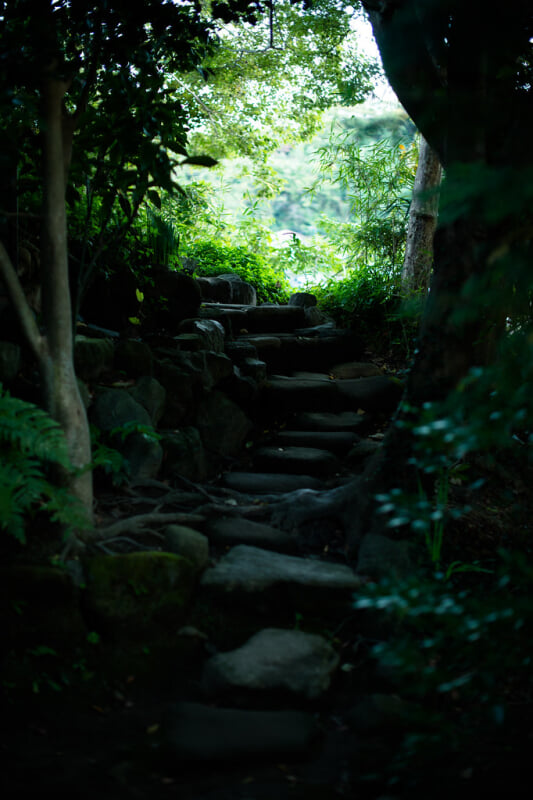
(139, 523)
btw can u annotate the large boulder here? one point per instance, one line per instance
(210, 331)
(134, 358)
(222, 424)
(93, 357)
(183, 386)
(242, 293)
(228, 288)
(185, 455)
(116, 408)
(151, 395)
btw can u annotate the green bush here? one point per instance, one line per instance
(368, 301)
(219, 259)
(462, 656)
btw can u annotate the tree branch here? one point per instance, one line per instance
(18, 300)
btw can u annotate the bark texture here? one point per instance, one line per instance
(423, 215)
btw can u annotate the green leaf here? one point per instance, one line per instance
(154, 197)
(200, 161)
(124, 203)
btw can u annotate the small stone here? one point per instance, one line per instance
(187, 542)
(274, 660)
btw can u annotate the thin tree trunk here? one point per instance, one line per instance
(61, 393)
(423, 215)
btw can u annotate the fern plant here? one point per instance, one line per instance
(31, 442)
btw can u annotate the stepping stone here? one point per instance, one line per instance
(195, 732)
(294, 394)
(279, 581)
(379, 393)
(240, 351)
(296, 460)
(328, 421)
(311, 376)
(338, 442)
(355, 369)
(236, 530)
(266, 483)
(361, 451)
(273, 660)
(302, 351)
(273, 319)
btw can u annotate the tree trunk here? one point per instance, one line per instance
(423, 215)
(61, 393)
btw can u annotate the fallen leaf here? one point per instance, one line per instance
(151, 729)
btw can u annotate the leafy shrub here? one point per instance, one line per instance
(463, 657)
(216, 259)
(31, 443)
(368, 300)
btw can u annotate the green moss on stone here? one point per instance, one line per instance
(142, 594)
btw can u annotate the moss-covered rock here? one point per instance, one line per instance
(141, 595)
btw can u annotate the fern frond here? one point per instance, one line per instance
(29, 441)
(26, 427)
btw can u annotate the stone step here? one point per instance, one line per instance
(289, 352)
(274, 661)
(296, 460)
(328, 421)
(377, 394)
(253, 578)
(337, 442)
(267, 483)
(236, 530)
(192, 732)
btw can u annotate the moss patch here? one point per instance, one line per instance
(138, 595)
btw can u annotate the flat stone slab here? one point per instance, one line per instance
(379, 393)
(274, 660)
(355, 369)
(271, 319)
(252, 570)
(269, 483)
(297, 394)
(236, 530)
(297, 460)
(328, 421)
(312, 376)
(338, 442)
(199, 733)
(303, 351)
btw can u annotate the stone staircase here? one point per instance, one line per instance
(268, 691)
(277, 685)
